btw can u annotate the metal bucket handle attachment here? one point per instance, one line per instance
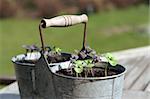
(63, 21)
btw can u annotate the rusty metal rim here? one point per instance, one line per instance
(92, 78)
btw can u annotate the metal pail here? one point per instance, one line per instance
(25, 74)
(110, 87)
(29, 81)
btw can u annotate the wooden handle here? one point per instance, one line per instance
(64, 21)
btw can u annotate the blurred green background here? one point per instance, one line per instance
(112, 26)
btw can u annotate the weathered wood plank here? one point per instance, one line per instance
(9, 96)
(143, 80)
(131, 63)
(137, 71)
(147, 87)
(125, 54)
(136, 95)
(10, 89)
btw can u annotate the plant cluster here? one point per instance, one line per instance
(53, 54)
(32, 54)
(86, 60)
(31, 48)
(83, 63)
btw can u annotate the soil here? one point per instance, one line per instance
(97, 71)
(27, 61)
(56, 59)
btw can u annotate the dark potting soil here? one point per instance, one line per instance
(27, 61)
(97, 71)
(51, 59)
(58, 58)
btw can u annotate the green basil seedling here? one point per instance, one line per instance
(111, 59)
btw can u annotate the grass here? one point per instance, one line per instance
(16, 32)
(1, 86)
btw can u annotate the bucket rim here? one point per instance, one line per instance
(33, 64)
(14, 60)
(93, 78)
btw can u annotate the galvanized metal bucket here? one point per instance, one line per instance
(43, 75)
(110, 87)
(43, 78)
(25, 74)
(34, 82)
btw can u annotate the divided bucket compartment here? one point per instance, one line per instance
(33, 80)
(25, 75)
(110, 87)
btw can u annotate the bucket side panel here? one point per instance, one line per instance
(100, 88)
(118, 87)
(43, 81)
(63, 86)
(86, 89)
(24, 78)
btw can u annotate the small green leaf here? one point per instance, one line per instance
(78, 69)
(111, 59)
(78, 66)
(79, 62)
(56, 49)
(89, 63)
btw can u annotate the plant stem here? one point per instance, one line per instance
(80, 75)
(92, 72)
(77, 75)
(86, 74)
(106, 70)
(69, 68)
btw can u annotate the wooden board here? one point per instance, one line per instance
(147, 88)
(134, 74)
(136, 95)
(142, 82)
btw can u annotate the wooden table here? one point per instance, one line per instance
(11, 92)
(137, 78)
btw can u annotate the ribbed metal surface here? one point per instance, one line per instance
(43, 81)
(35, 80)
(96, 88)
(39, 82)
(25, 80)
